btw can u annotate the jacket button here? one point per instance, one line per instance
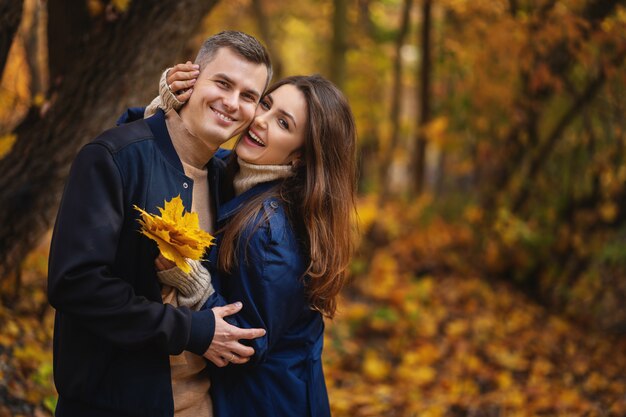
(185, 185)
(274, 205)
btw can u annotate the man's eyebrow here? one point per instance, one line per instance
(253, 92)
(231, 81)
(224, 76)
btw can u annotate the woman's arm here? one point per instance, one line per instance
(175, 88)
(174, 91)
(268, 280)
(194, 288)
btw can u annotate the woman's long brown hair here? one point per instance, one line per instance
(320, 196)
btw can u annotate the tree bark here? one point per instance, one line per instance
(10, 17)
(266, 34)
(423, 78)
(100, 67)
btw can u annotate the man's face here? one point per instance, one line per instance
(224, 98)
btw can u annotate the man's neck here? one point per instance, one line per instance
(190, 149)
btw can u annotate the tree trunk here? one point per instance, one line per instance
(98, 67)
(339, 45)
(396, 101)
(33, 40)
(10, 17)
(266, 34)
(423, 78)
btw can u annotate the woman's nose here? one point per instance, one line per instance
(260, 122)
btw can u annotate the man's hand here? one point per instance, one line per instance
(225, 346)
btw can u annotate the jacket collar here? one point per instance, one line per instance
(217, 182)
(232, 206)
(162, 138)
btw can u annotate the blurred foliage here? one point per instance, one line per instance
(420, 333)
(26, 327)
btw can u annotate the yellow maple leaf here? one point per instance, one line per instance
(176, 232)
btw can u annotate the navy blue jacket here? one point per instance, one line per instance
(113, 335)
(284, 377)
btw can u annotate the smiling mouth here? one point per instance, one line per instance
(222, 116)
(255, 138)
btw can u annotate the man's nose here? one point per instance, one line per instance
(230, 101)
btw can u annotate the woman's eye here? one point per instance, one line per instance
(283, 123)
(265, 105)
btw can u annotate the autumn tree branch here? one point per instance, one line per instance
(10, 17)
(545, 149)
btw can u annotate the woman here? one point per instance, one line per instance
(283, 246)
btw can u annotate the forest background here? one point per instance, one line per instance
(489, 277)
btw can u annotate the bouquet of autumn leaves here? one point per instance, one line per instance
(176, 232)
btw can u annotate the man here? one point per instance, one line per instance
(113, 335)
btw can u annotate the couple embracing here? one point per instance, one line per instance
(240, 334)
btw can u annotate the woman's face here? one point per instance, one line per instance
(276, 134)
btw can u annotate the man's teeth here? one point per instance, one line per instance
(256, 138)
(223, 116)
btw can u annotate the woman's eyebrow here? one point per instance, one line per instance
(289, 115)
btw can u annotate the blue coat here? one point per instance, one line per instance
(284, 377)
(112, 333)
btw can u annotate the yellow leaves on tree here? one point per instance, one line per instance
(177, 233)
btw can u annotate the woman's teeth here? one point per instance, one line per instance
(256, 138)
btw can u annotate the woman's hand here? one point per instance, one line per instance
(181, 78)
(163, 264)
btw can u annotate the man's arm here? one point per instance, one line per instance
(81, 281)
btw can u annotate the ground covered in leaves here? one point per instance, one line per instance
(414, 337)
(418, 337)
(457, 346)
